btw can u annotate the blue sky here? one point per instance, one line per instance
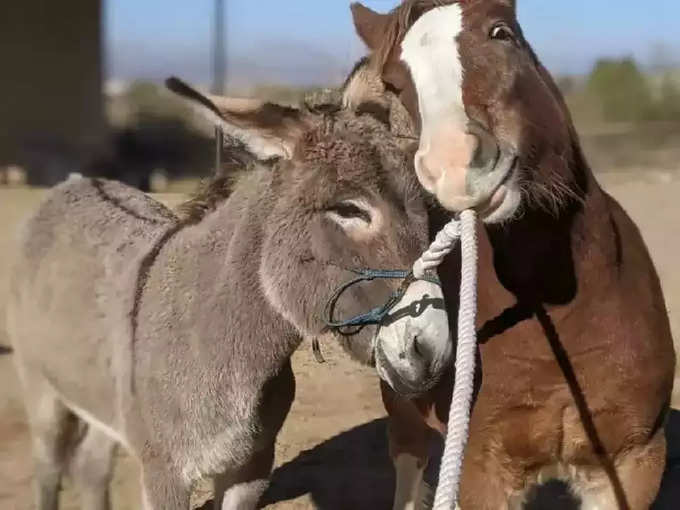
(305, 40)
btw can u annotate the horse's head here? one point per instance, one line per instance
(343, 197)
(493, 126)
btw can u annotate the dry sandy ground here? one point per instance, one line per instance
(332, 452)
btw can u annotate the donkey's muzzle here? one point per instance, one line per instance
(413, 345)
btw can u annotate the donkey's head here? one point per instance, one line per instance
(342, 196)
(492, 122)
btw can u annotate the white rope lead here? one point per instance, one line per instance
(464, 229)
(442, 245)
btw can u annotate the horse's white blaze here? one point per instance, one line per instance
(430, 50)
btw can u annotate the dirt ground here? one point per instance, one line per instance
(332, 452)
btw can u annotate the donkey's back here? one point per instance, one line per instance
(71, 295)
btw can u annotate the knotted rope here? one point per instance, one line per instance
(446, 495)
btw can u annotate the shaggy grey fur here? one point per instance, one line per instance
(173, 336)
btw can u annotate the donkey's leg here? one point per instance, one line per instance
(409, 440)
(163, 489)
(91, 467)
(639, 473)
(243, 490)
(53, 429)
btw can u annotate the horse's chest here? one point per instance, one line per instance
(541, 397)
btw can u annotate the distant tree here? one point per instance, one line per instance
(662, 58)
(669, 100)
(566, 84)
(621, 89)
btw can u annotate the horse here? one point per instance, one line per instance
(170, 333)
(576, 353)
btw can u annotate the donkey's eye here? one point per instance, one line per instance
(350, 210)
(502, 32)
(350, 213)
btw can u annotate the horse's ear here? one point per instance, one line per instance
(371, 26)
(268, 130)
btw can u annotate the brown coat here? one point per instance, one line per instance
(576, 353)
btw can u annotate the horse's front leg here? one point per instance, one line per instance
(409, 442)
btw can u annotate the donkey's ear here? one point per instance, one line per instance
(267, 130)
(370, 25)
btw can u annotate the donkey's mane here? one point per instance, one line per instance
(401, 20)
(211, 192)
(358, 66)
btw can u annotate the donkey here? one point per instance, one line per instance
(172, 335)
(576, 351)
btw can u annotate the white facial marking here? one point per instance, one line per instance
(430, 50)
(447, 148)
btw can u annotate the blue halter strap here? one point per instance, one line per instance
(376, 315)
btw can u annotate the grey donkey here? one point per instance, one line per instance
(171, 334)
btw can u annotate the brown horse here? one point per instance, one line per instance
(575, 345)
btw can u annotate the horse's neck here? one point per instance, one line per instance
(547, 259)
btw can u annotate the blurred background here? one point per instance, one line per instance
(81, 84)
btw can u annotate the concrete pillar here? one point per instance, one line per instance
(51, 103)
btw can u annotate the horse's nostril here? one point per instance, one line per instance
(486, 150)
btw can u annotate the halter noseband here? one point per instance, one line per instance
(376, 315)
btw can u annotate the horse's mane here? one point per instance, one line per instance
(401, 19)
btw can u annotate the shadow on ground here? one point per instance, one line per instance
(351, 470)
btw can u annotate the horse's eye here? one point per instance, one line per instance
(502, 32)
(350, 211)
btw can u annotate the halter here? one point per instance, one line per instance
(376, 315)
